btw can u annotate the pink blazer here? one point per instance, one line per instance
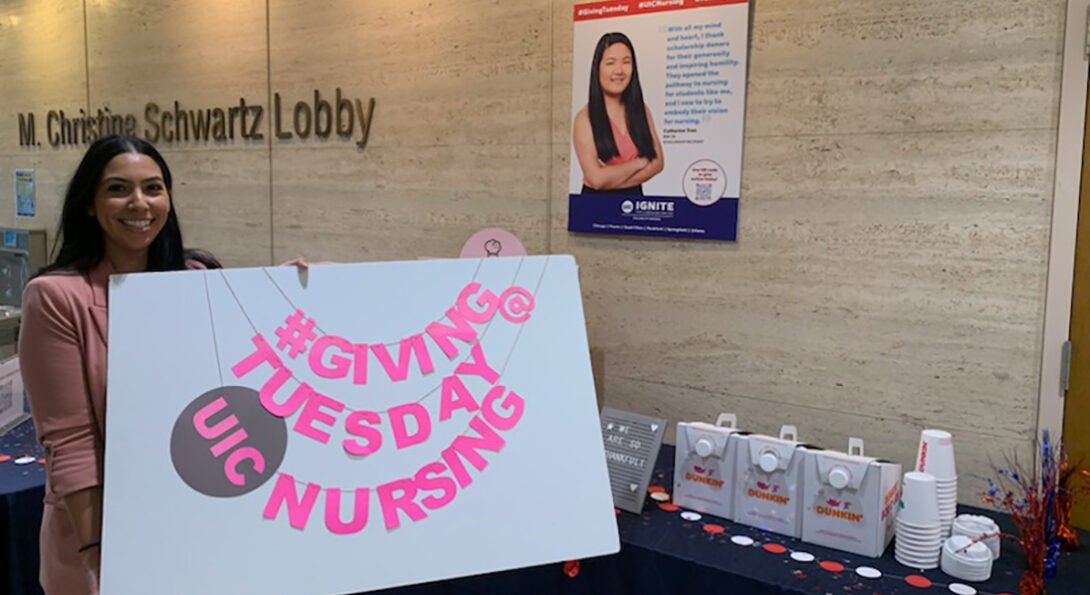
(62, 354)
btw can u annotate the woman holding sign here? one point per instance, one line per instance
(614, 134)
(117, 217)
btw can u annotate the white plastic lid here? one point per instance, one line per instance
(769, 461)
(704, 447)
(839, 477)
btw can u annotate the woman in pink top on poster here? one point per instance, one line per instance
(118, 217)
(614, 134)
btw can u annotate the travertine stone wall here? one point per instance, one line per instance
(891, 262)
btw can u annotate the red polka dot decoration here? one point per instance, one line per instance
(669, 507)
(832, 566)
(920, 582)
(774, 548)
(714, 529)
(654, 489)
(5, 458)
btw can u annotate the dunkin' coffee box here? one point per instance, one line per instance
(768, 482)
(850, 500)
(704, 465)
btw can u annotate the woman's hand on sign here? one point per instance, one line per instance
(298, 261)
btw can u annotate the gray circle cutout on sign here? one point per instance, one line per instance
(242, 444)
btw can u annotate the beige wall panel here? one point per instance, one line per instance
(461, 124)
(896, 187)
(202, 54)
(222, 200)
(402, 203)
(849, 66)
(41, 64)
(888, 437)
(204, 57)
(41, 69)
(896, 276)
(563, 38)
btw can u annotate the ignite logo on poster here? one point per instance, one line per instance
(231, 440)
(704, 476)
(768, 492)
(648, 209)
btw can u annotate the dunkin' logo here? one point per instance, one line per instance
(834, 510)
(923, 457)
(765, 494)
(703, 476)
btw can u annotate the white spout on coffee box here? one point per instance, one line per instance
(768, 476)
(704, 465)
(850, 500)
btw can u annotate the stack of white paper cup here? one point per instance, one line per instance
(919, 529)
(978, 528)
(936, 457)
(966, 559)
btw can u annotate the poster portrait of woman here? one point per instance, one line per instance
(614, 133)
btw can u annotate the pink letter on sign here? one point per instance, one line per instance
(201, 417)
(390, 503)
(408, 346)
(263, 354)
(487, 299)
(516, 303)
(448, 401)
(441, 333)
(359, 374)
(402, 438)
(289, 406)
(513, 403)
(246, 453)
(312, 411)
(284, 493)
(477, 365)
(467, 446)
(236, 438)
(333, 511)
(430, 478)
(339, 364)
(354, 425)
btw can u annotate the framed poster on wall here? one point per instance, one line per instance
(658, 110)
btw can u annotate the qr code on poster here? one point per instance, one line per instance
(703, 193)
(7, 395)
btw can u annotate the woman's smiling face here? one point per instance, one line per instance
(131, 204)
(615, 69)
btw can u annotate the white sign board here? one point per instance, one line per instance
(350, 428)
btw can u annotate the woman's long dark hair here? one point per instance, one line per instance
(80, 237)
(631, 97)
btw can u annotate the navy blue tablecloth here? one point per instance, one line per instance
(661, 553)
(22, 488)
